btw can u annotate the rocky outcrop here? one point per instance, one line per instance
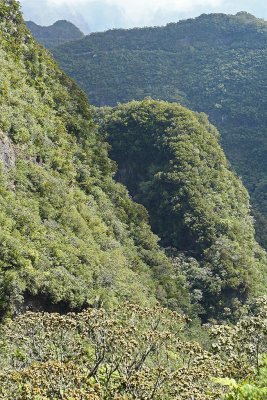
(7, 153)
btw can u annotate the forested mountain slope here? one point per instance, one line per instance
(170, 160)
(69, 234)
(58, 33)
(72, 236)
(215, 63)
(72, 239)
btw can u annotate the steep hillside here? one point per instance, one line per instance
(59, 33)
(170, 160)
(215, 63)
(70, 236)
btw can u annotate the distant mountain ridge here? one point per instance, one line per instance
(57, 34)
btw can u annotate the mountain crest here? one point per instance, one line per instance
(60, 32)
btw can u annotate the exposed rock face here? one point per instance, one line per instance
(7, 153)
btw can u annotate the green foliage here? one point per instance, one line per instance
(214, 64)
(170, 160)
(253, 388)
(244, 347)
(69, 234)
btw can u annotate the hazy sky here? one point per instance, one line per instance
(98, 15)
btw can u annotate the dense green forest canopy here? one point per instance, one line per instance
(70, 235)
(215, 64)
(59, 33)
(171, 162)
